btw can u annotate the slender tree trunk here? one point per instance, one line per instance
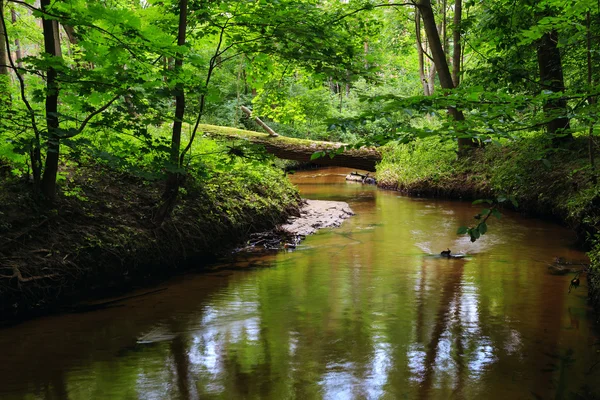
(456, 52)
(4, 70)
(445, 27)
(420, 53)
(179, 89)
(52, 48)
(431, 81)
(551, 76)
(591, 99)
(18, 54)
(174, 177)
(439, 57)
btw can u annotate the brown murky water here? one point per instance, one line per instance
(359, 312)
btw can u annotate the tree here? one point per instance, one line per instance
(52, 49)
(457, 49)
(174, 176)
(439, 57)
(552, 80)
(3, 49)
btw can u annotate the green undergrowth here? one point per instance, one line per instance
(547, 182)
(101, 233)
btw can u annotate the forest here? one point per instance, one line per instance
(127, 154)
(472, 99)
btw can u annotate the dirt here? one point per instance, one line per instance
(53, 257)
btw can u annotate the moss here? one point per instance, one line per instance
(282, 142)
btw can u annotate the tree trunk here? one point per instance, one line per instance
(591, 99)
(179, 89)
(4, 70)
(18, 53)
(431, 81)
(260, 122)
(445, 27)
(421, 54)
(174, 177)
(52, 48)
(301, 150)
(551, 76)
(457, 50)
(439, 58)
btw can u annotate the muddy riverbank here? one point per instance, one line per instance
(104, 239)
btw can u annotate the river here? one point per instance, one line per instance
(364, 311)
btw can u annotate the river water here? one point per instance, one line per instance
(364, 311)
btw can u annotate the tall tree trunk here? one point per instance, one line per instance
(441, 64)
(457, 50)
(420, 53)
(179, 89)
(431, 79)
(52, 48)
(445, 27)
(174, 177)
(591, 99)
(4, 70)
(18, 53)
(551, 76)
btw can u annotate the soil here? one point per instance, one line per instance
(102, 239)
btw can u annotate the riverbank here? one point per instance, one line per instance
(99, 236)
(550, 183)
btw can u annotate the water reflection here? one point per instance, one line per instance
(366, 311)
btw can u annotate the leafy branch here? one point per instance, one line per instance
(481, 228)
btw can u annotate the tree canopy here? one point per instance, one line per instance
(130, 82)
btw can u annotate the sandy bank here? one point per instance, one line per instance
(317, 214)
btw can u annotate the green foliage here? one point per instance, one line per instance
(481, 228)
(422, 160)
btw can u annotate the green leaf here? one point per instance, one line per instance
(483, 228)
(462, 230)
(480, 201)
(316, 154)
(496, 214)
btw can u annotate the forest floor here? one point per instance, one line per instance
(546, 182)
(100, 238)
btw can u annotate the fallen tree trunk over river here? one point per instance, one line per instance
(300, 149)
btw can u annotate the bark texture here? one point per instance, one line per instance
(52, 48)
(299, 149)
(551, 77)
(439, 57)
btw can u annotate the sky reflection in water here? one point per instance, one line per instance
(366, 311)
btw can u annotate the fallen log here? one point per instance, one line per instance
(301, 149)
(266, 127)
(362, 178)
